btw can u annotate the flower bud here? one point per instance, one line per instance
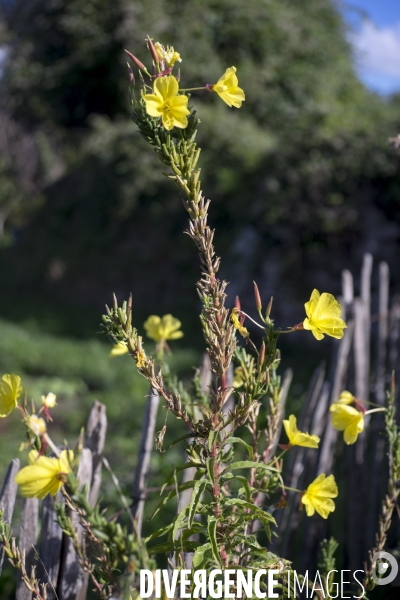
(136, 61)
(237, 303)
(153, 51)
(257, 297)
(261, 356)
(131, 75)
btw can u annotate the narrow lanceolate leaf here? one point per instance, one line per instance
(230, 477)
(159, 532)
(179, 521)
(187, 436)
(211, 438)
(252, 507)
(173, 473)
(212, 534)
(236, 440)
(265, 517)
(172, 493)
(186, 546)
(199, 555)
(248, 464)
(210, 468)
(198, 490)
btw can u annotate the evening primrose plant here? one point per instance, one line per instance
(234, 467)
(229, 496)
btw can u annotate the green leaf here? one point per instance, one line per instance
(210, 468)
(173, 473)
(172, 493)
(212, 534)
(159, 533)
(236, 440)
(263, 516)
(179, 520)
(187, 436)
(248, 464)
(198, 556)
(187, 546)
(211, 438)
(243, 481)
(246, 486)
(198, 490)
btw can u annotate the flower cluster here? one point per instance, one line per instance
(166, 100)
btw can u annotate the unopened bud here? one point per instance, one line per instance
(131, 75)
(153, 51)
(178, 75)
(237, 303)
(115, 302)
(136, 61)
(129, 306)
(269, 307)
(261, 356)
(257, 297)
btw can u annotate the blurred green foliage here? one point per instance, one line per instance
(300, 167)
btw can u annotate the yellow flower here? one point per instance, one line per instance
(10, 391)
(323, 316)
(298, 438)
(44, 475)
(348, 419)
(319, 494)
(345, 398)
(238, 378)
(49, 401)
(166, 103)
(163, 328)
(227, 88)
(119, 349)
(237, 324)
(37, 425)
(169, 56)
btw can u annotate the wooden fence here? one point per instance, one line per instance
(362, 363)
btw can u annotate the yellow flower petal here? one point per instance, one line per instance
(49, 400)
(168, 55)
(166, 103)
(154, 107)
(227, 88)
(323, 316)
(165, 328)
(346, 397)
(119, 349)
(10, 391)
(298, 438)
(43, 475)
(319, 494)
(237, 324)
(348, 419)
(37, 425)
(238, 378)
